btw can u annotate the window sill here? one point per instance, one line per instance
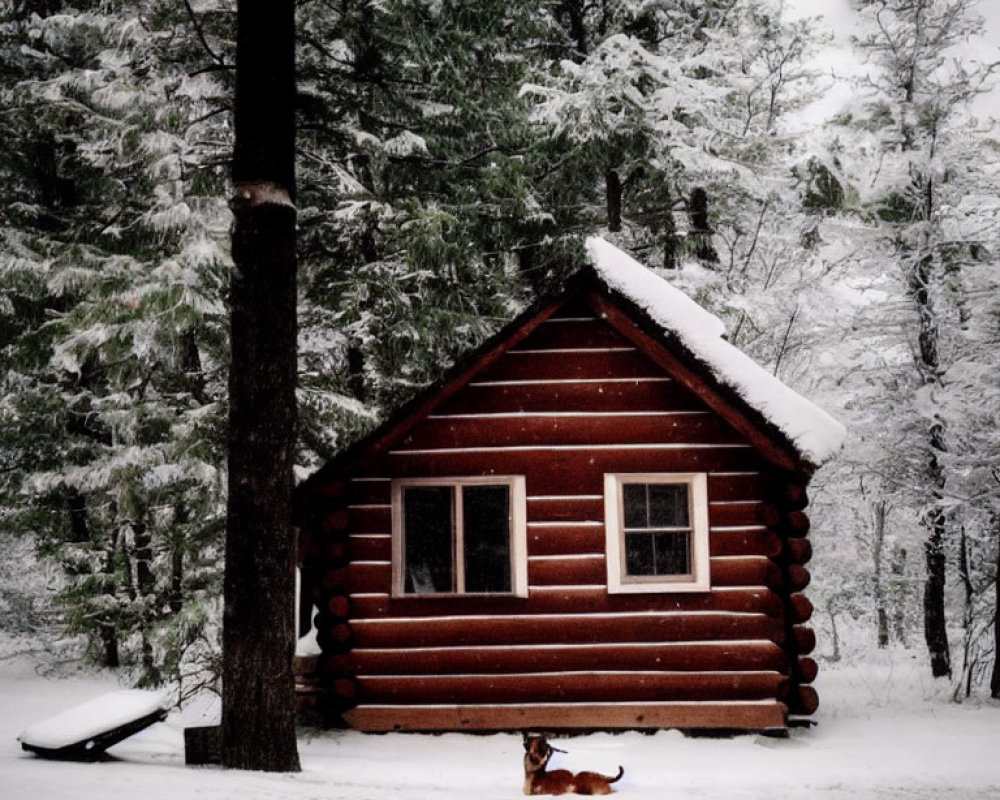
(651, 587)
(460, 595)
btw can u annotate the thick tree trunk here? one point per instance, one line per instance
(258, 702)
(935, 628)
(929, 365)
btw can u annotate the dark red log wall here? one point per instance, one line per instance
(571, 402)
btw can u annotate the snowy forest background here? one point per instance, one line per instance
(827, 186)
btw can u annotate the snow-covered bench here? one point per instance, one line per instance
(86, 731)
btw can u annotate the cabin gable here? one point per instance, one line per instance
(578, 403)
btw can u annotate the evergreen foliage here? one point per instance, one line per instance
(114, 335)
(452, 157)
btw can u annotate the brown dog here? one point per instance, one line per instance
(537, 780)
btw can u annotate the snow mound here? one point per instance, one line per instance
(92, 718)
(815, 434)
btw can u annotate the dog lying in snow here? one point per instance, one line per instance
(537, 780)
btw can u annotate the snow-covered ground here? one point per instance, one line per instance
(884, 732)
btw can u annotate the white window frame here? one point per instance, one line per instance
(518, 534)
(618, 582)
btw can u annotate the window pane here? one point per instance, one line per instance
(486, 526)
(640, 556)
(636, 507)
(672, 553)
(658, 553)
(427, 526)
(668, 505)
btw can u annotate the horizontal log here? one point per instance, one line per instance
(570, 600)
(768, 514)
(803, 701)
(750, 571)
(572, 687)
(334, 521)
(761, 715)
(566, 539)
(797, 522)
(587, 538)
(801, 608)
(333, 632)
(362, 492)
(335, 581)
(795, 497)
(660, 395)
(565, 508)
(744, 542)
(727, 486)
(800, 550)
(743, 656)
(564, 629)
(585, 510)
(724, 486)
(506, 431)
(568, 571)
(344, 688)
(583, 539)
(798, 577)
(806, 670)
(370, 547)
(805, 639)
(567, 334)
(366, 577)
(333, 638)
(338, 606)
(746, 512)
(336, 552)
(370, 518)
(341, 633)
(575, 470)
(518, 365)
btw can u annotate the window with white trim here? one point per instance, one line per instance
(459, 536)
(657, 532)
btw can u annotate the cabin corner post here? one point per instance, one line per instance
(787, 500)
(330, 592)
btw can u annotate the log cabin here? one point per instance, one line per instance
(594, 521)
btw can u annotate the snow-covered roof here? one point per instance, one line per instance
(815, 434)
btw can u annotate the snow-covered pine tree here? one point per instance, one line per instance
(113, 268)
(415, 195)
(665, 118)
(919, 142)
